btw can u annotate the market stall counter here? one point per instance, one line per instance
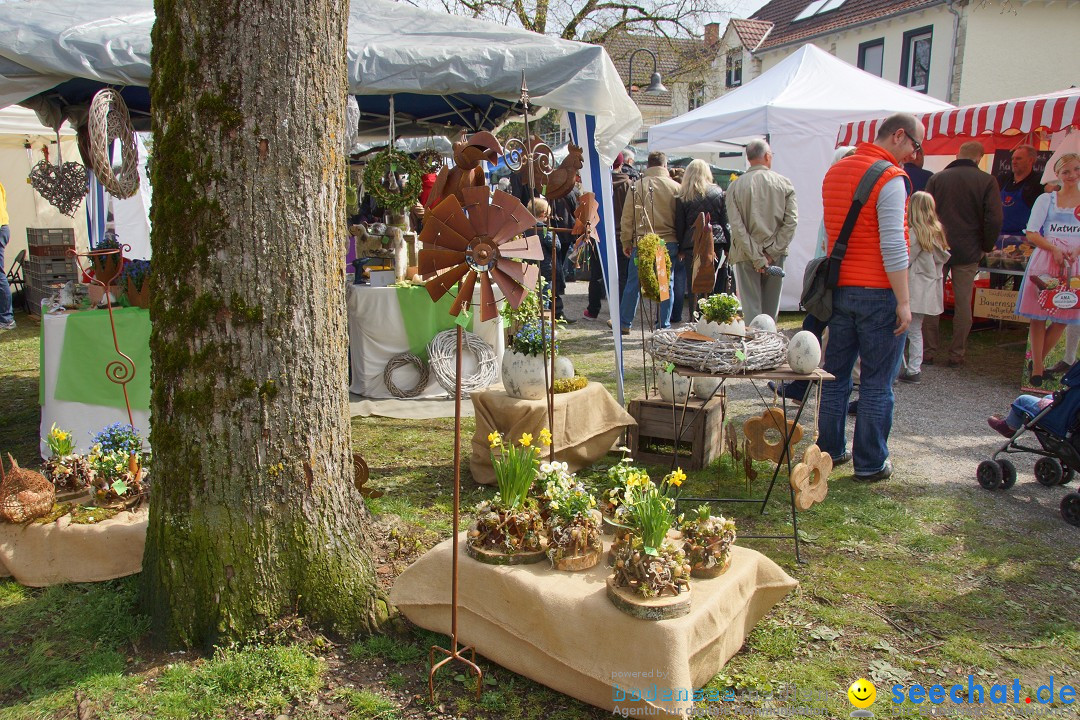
(560, 628)
(387, 321)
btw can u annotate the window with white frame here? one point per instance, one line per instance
(817, 7)
(915, 59)
(697, 95)
(733, 76)
(872, 56)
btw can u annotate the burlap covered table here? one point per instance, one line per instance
(561, 630)
(40, 554)
(587, 424)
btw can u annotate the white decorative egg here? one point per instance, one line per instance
(679, 392)
(564, 367)
(804, 352)
(763, 322)
(705, 387)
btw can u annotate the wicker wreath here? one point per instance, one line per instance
(430, 160)
(395, 161)
(400, 361)
(759, 350)
(441, 358)
(109, 121)
(646, 265)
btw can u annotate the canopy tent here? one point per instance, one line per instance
(22, 139)
(445, 73)
(797, 105)
(999, 125)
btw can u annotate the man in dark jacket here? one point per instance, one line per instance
(969, 205)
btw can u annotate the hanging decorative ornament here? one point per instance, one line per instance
(429, 160)
(761, 448)
(703, 278)
(586, 220)
(383, 180)
(63, 185)
(479, 239)
(109, 121)
(810, 478)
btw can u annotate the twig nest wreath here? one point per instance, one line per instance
(430, 160)
(381, 180)
(63, 185)
(810, 478)
(760, 447)
(109, 121)
(400, 361)
(442, 351)
(758, 350)
(646, 265)
(24, 494)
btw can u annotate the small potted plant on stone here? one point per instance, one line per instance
(508, 528)
(707, 541)
(68, 471)
(119, 467)
(651, 578)
(573, 526)
(719, 316)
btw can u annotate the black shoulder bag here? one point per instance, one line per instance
(823, 273)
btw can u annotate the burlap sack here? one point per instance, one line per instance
(561, 630)
(59, 552)
(588, 422)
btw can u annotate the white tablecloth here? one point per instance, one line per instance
(377, 334)
(82, 420)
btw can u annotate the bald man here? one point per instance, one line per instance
(969, 205)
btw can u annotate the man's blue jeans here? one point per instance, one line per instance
(676, 287)
(862, 325)
(6, 318)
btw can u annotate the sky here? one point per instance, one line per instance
(745, 8)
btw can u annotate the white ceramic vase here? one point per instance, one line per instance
(679, 392)
(523, 375)
(721, 331)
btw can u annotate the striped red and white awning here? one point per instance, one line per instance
(1048, 113)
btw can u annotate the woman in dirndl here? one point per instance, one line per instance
(1050, 296)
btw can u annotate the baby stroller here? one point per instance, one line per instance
(1057, 428)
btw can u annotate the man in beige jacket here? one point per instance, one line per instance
(649, 207)
(762, 213)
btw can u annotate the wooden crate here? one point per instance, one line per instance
(702, 437)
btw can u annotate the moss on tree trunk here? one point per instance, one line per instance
(254, 513)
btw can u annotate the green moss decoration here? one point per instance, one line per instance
(646, 265)
(565, 385)
(387, 161)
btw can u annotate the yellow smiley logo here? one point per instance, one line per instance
(862, 693)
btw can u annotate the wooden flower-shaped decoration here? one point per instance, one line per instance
(479, 239)
(810, 478)
(761, 448)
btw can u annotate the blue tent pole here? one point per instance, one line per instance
(596, 178)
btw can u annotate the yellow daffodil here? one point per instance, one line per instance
(545, 437)
(677, 477)
(526, 440)
(494, 439)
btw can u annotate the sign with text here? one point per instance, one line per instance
(997, 305)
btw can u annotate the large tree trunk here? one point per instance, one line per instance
(253, 511)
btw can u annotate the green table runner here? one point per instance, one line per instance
(424, 319)
(88, 349)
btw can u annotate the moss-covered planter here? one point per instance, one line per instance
(651, 587)
(506, 537)
(575, 544)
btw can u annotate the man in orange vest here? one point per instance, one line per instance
(871, 308)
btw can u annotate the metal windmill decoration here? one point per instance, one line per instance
(464, 243)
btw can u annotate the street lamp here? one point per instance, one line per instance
(655, 86)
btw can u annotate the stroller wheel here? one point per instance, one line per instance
(1008, 473)
(989, 475)
(1048, 472)
(1070, 508)
(1067, 476)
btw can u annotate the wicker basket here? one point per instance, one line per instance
(24, 494)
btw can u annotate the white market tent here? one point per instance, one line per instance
(22, 138)
(446, 73)
(798, 105)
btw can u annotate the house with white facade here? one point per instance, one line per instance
(960, 51)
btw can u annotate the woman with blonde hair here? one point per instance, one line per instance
(1052, 278)
(698, 193)
(929, 253)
